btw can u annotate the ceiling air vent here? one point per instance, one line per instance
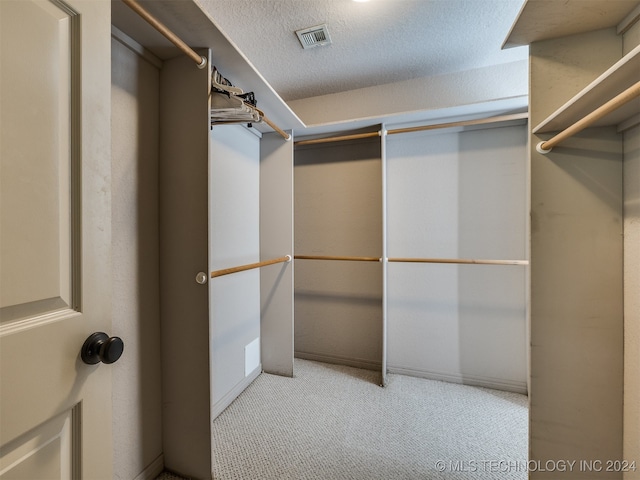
(317, 36)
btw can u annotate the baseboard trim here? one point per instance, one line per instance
(154, 469)
(472, 380)
(338, 360)
(225, 401)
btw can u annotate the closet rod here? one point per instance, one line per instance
(463, 261)
(201, 61)
(464, 123)
(334, 257)
(340, 138)
(264, 118)
(613, 104)
(460, 261)
(250, 266)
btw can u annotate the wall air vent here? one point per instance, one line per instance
(317, 36)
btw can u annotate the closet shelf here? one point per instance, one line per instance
(190, 21)
(622, 75)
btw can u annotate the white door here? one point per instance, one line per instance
(55, 410)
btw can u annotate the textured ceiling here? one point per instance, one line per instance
(377, 42)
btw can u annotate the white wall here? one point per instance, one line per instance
(137, 399)
(276, 240)
(632, 298)
(234, 239)
(458, 195)
(338, 211)
(631, 189)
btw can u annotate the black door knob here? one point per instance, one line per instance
(99, 347)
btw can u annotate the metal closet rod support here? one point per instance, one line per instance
(250, 266)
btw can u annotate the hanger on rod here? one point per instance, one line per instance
(231, 109)
(218, 82)
(230, 104)
(247, 113)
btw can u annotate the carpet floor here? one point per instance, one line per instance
(333, 422)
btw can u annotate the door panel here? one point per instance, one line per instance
(44, 452)
(55, 411)
(37, 156)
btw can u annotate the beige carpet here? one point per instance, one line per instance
(335, 422)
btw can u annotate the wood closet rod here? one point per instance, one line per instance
(464, 123)
(613, 104)
(459, 261)
(463, 261)
(201, 61)
(281, 132)
(334, 257)
(340, 138)
(250, 266)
